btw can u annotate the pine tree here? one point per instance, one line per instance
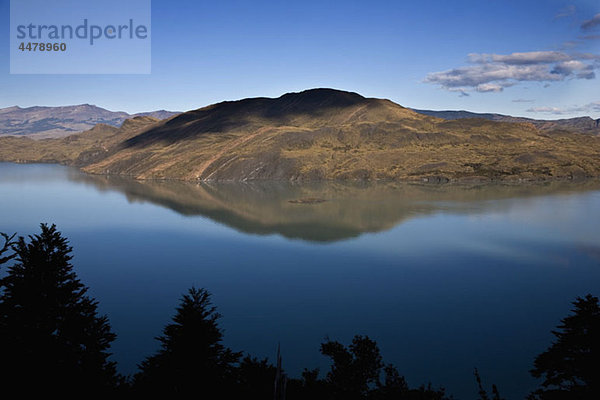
(570, 366)
(192, 358)
(8, 243)
(51, 336)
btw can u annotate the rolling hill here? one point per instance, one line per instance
(319, 134)
(54, 122)
(580, 124)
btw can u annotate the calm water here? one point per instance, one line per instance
(444, 278)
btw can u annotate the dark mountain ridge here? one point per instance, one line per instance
(229, 115)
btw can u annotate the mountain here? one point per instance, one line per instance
(52, 122)
(319, 134)
(580, 124)
(77, 149)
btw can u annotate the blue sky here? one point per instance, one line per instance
(421, 54)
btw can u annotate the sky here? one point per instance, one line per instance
(532, 58)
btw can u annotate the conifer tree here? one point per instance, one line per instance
(192, 358)
(51, 335)
(570, 365)
(6, 247)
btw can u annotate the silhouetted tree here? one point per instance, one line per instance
(256, 378)
(8, 243)
(570, 366)
(192, 358)
(356, 374)
(425, 393)
(394, 385)
(482, 392)
(355, 369)
(308, 387)
(51, 337)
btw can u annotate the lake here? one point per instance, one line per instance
(444, 277)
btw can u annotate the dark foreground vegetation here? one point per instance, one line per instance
(52, 339)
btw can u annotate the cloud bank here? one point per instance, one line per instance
(495, 72)
(591, 23)
(566, 12)
(588, 108)
(523, 101)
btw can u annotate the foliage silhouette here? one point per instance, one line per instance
(394, 385)
(255, 378)
(309, 386)
(51, 336)
(8, 244)
(482, 392)
(50, 333)
(355, 370)
(356, 373)
(191, 355)
(570, 365)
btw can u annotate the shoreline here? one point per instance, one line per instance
(427, 180)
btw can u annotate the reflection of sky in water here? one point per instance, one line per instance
(477, 283)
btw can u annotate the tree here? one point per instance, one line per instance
(570, 365)
(356, 374)
(355, 369)
(255, 378)
(192, 358)
(308, 387)
(8, 243)
(483, 395)
(394, 385)
(50, 333)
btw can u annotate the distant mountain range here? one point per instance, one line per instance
(53, 122)
(580, 124)
(319, 134)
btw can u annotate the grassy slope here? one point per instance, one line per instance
(321, 135)
(76, 149)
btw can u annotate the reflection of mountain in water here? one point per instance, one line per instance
(296, 211)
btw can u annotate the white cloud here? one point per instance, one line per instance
(532, 57)
(489, 87)
(494, 72)
(591, 23)
(566, 12)
(548, 110)
(587, 108)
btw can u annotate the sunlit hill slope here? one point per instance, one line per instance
(319, 134)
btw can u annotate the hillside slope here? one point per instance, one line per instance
(578, 125)
(55, 122)
(77, 149)
(325, 134)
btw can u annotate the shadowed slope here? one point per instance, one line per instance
(326, 134)
(309, 108)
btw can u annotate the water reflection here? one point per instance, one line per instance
(321, 212)
(450, 277)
